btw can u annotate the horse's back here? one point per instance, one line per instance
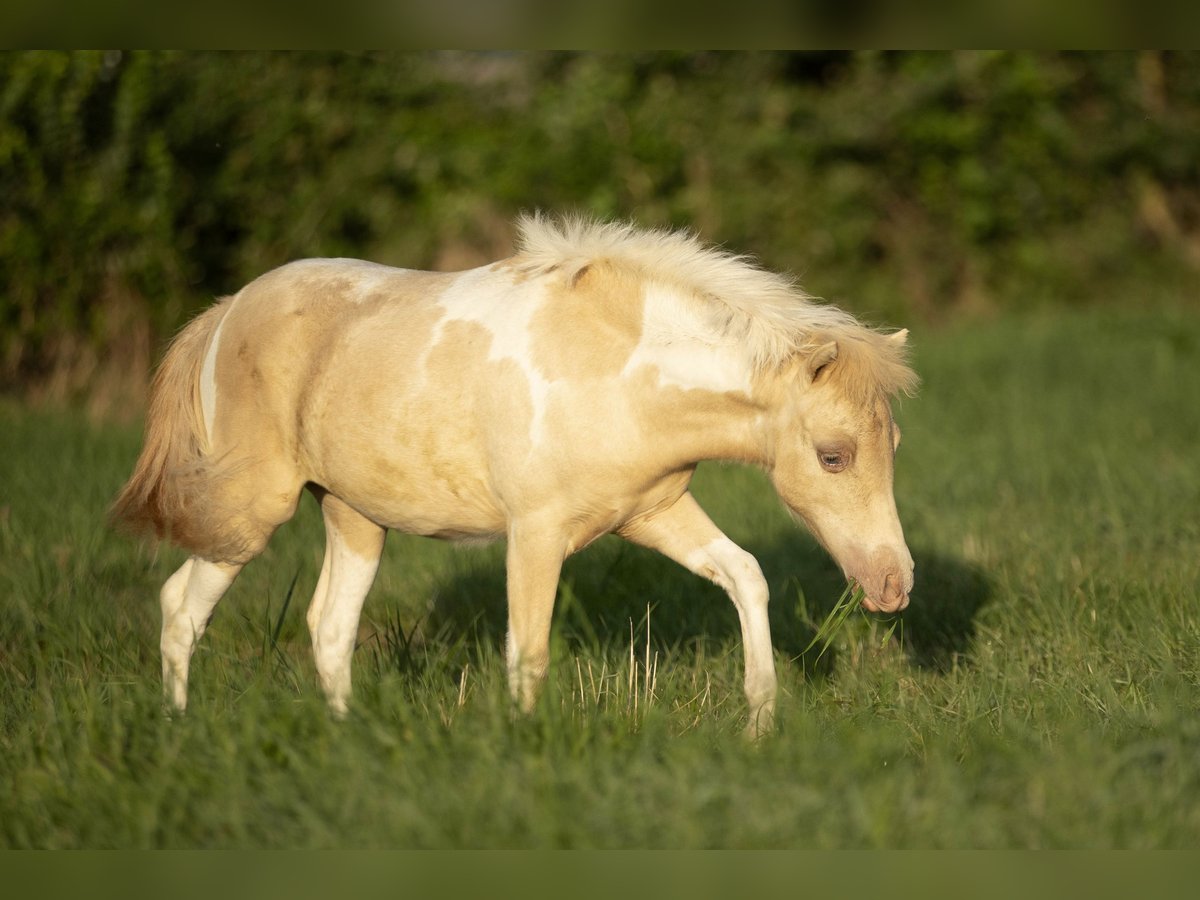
(304, 304)
(285, 328)
(360, 378)
(440, 403)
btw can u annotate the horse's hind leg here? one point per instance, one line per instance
(353, 545)
(188, 599)
(192, 593)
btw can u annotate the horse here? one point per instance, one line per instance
(566, 392)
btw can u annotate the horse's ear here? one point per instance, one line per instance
(820, 358)
(899, 338)
(580, 274)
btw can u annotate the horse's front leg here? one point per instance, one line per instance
(683, 532)
(534, 560)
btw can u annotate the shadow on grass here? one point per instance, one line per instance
(940, 620)
(607, 592)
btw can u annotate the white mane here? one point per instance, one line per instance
(768, 315)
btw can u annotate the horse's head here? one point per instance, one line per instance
(835, 444)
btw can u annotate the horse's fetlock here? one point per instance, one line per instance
(762, 720)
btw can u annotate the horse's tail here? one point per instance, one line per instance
(170, 493)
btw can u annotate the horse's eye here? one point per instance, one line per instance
(833, 460)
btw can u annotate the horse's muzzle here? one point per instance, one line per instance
(893, 597)
(886, 579)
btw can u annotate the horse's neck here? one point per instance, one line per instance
(694, 425)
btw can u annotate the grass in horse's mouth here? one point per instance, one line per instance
(846, 604)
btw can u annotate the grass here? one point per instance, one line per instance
(1041, 691)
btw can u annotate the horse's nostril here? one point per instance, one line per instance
(895, 597)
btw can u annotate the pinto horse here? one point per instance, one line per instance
(564, 393)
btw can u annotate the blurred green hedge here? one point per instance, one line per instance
(135, 187)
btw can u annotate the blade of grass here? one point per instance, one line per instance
(849, 601)
(287, 600)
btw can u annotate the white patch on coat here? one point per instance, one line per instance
(506, 310)
(208, 379)
(686, 350)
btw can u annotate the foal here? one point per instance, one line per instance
(549, 398)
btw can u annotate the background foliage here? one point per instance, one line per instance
(135, 187)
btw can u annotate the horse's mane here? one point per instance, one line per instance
(766, 314)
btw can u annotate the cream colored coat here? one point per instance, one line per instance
(550, 398)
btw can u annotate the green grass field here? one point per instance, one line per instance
(1043, 690)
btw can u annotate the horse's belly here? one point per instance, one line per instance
(409, 486)
(431, 511)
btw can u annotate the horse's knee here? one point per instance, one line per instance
(741, 576)
(750, 582)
